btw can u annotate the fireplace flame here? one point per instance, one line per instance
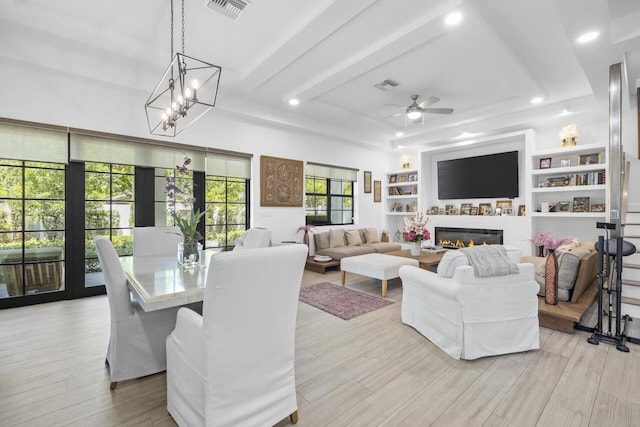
(458, 243)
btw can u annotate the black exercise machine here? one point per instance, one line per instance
(610, 253)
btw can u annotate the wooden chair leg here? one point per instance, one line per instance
(294, 417)
(113, 385)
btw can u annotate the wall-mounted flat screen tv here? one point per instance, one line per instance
(480, 177)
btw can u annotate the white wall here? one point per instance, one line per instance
(39, 95)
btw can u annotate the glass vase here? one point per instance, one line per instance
(188, 254)
(551, 278)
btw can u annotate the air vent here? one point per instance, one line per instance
(229, 8)
(386, 85)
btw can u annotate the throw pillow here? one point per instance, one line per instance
(322, 240)
(336, 238)
(362, 236)
(353, 238)
(450, 261)
(568, 265)
(371, 235)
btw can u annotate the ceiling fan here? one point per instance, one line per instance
(415, 112)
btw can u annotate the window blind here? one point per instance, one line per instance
(228, 165)
(19, 142)
(92, 148)
(333, 172)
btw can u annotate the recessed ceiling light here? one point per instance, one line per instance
(537, 100)
(294, 101)
(453, 18)
(587, 37)
(564, 112)
(399, 133)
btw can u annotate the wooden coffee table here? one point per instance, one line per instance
(426, 260)
(320, 267)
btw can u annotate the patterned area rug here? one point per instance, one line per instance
(340, 301)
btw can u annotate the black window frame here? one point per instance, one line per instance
(316, 219)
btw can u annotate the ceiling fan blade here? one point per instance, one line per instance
(429, 101)
(438, 110)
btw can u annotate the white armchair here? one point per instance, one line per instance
(158, 241)
(255, 237)
(137, 340)
(470, 317)
(234, 365)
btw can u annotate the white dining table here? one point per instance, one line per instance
(160, 282)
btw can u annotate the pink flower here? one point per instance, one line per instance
(544, 239)
(415, 228)
(305, 228)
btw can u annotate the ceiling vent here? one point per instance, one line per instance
(229, 8)
(386, 85)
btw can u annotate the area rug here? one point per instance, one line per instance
(340, 301)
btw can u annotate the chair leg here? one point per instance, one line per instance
(113, 385)
(294, 417)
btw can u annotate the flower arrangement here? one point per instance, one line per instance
(569, 133)
(544, 239)
(415, 228)
(185, 218)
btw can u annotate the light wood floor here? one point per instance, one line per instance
(369, 371)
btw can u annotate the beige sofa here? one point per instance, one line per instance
(339, 243)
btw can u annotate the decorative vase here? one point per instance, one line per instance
(551, 278)
(305, 240)
(569, 142)
(188, 254)
(415, 248)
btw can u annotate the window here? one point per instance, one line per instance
(227, 210)
(109, 211)
(165, 204)
(328, 201)
(32, 224)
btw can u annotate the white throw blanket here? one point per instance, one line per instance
(489, 261)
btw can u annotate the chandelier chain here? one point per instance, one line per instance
(183, 27)
(171, 57)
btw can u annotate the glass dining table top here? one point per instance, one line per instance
(160, 282)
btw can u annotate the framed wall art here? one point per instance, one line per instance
(367, 181)
(281, 182)
(377, 191)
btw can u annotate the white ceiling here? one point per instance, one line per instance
(330, 53)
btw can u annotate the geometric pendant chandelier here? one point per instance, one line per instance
(186, 91)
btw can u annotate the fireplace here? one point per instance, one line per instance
(455, 237)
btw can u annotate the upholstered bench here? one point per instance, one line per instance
(378, 266)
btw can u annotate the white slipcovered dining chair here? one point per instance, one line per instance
(234, 365)
(158, 241)
(137, 339)
(255, 237)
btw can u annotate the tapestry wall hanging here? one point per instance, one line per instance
(281, 182)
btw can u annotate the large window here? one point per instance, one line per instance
(32, 224)
(328, 201)
(227, 210)
(109, 211)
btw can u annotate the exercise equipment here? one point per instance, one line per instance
(610, 253)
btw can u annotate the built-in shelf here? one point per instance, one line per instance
(569, 188)
(569, 214)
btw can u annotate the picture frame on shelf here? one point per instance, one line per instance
(448, 208)
(432, 211)
(413, 177)
(377, 191)
(484, 209)
(545, 163)
(597, 207)
(440, 211)
(522, 210)
(465, 209)
(507, 211)
(498, 211)
(589, 159)
(474, 210)
(580, 204)
(504, 204)
(403, 178)
(562, 206)
(367, 181)
(565, 163)
(393, 179)
(452, 211)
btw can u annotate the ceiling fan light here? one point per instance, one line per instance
(414, 115)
